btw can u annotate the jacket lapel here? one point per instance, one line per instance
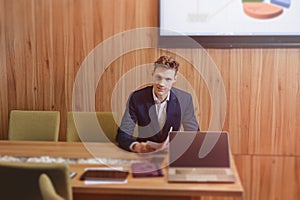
(173, 115)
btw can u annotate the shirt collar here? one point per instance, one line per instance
(156, 100)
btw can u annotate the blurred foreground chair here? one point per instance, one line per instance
(86, 127)
(47, 189)
(25, 181)
(34, 125)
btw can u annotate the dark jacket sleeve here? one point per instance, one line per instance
(125, 131)
(189, 120)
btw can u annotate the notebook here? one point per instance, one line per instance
(199, 157)
(146, 169)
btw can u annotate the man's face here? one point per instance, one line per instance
(163, 81)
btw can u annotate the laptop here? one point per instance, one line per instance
(199, 157)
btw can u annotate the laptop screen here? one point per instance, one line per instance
(198, 149)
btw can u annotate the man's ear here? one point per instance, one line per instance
(175, 78)
(153, 71)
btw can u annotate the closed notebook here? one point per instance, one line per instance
(101, 174)
(146, 169)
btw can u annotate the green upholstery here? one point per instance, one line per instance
(34, 125)
(88, 125)
(47, 188)
(21, 180)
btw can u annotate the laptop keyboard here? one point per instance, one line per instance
(202, 171)
(200, 175)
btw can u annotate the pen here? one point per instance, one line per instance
(166, 142)
(72, 174)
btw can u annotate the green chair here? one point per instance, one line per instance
(86, 127)
(34, 125)
(47, 189)
(23, 180)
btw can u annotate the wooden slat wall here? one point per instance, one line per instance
(44, 42)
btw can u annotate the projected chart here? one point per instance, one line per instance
(263, 10)
(230, 17)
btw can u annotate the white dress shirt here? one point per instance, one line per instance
(161, 111)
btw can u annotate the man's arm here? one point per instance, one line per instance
(125, 137)
(189, 120)
(125, 131)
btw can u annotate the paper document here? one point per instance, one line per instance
(104, 182)
(159, 146)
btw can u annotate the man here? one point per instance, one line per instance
(156, 110)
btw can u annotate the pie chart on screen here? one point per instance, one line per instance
(259, 9)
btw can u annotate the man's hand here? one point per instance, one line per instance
(142, 147)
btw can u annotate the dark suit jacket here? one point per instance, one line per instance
(140, 109)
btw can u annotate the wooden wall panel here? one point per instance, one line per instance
(43, 44)
(3, 78)
(46, 41)
(262, 95)
(275, 177)
(267, 177)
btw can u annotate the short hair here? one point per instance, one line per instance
(166, 62)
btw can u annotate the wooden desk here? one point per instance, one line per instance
(136, 188)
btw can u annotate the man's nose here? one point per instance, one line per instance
(162, 82)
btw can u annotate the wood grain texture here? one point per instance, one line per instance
(275, 178)
(262, 100)
(3, 78)
(267, 177)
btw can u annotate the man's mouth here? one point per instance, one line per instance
(160, 89)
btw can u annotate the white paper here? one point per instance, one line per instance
(104, 182)
(159, 146)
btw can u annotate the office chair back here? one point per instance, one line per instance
(47, 189)
(91, 127)
(21, 180)
(34, 125)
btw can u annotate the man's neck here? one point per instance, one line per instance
(161, 98)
